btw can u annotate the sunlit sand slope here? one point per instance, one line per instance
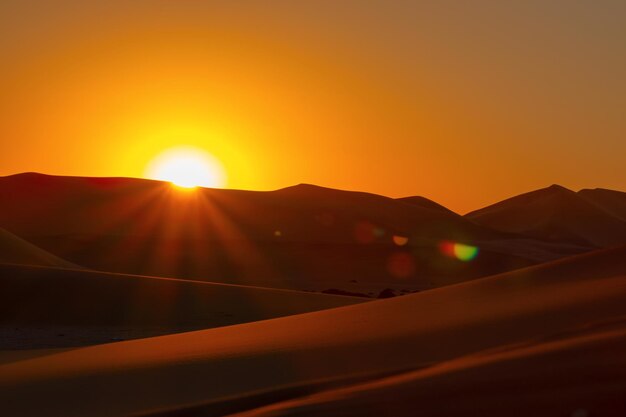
(583, 375)
(397, 334)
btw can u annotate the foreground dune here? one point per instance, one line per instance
(583, 375)
(49, 307)
(213, 366)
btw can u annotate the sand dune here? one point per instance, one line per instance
(14, 250)
(302, 213)
(611, 201)
(425, 203)
(590, 217)
(15, 355)
(583, 375)
(525, 306)
(303, 237)
(36, 304)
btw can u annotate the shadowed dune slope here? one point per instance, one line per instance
(589, 217)
(414, 331)
(14, 250)
(35, 296)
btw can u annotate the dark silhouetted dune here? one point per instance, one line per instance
(559, 214)
(87, 307)
(14, 250)
(76, 205)
(611, 201)
(200, 372)
(303, 237)
(425, 203)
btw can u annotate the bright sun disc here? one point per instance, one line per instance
(187, 167)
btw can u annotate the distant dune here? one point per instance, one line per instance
(302, 213)
(425, 203)
(303, 237)
(611, 201)
(567, 306)
(589, 217)
(50, 307)
(14, 250)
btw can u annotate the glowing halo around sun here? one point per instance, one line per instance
(187, 167)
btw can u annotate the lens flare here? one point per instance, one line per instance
(400, 240)
(465, 252)
(458, 251)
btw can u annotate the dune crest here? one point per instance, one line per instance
(303, 237)
(559, 214)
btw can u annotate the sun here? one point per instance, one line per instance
(187, 167)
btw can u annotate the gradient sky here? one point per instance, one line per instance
(465, 102)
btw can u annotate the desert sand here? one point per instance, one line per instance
(98, 316)
(473, 333)
(14, 250)
(582, 375)
(44, 307)
(312, 208)
(611, 201)
(303, 237)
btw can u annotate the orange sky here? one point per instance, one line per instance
(463, 102)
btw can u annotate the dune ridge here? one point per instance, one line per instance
(611, 201)
(303, 237)
(589, 217)
(300, 211)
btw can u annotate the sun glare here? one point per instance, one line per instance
(187, 167)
